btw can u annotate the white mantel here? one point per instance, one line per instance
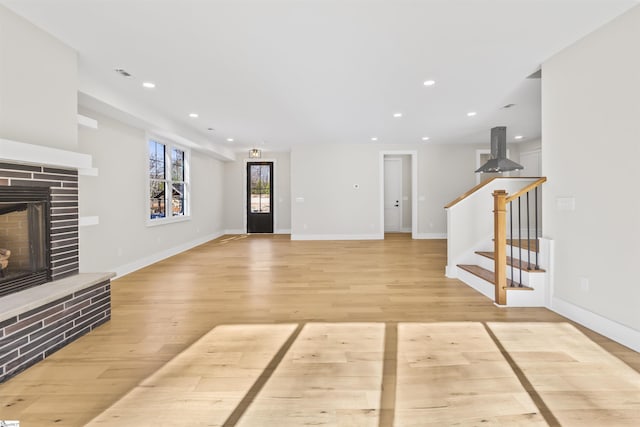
(20, 152)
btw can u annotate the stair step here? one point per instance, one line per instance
(532, 244)
(521, 264)
(523, 243)
(487, 275)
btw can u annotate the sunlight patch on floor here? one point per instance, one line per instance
(204, 384)
(330, 376)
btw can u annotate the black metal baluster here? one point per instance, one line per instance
(536, 193)
(528, 236)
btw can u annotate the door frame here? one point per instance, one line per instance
(397, 159)
(414, 188)
(273, 193)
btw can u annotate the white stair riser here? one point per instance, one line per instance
(528, 279)
(485, 288)
(515, 298)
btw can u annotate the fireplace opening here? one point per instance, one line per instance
(24, 238)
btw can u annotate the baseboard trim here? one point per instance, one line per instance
(431, 236)
(125, 269)
(618, 332)
(337, 236)
(235, 231)
(241, 231)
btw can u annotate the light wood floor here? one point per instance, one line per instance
(265, 300)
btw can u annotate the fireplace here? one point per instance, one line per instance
(24, 238)
(38, 226)
(39, 239)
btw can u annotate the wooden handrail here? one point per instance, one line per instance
(482, 184)
(500, 200)
(526, 189)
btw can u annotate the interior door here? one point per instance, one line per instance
(259, 197)
(392, 194)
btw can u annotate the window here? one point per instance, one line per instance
(168, 182)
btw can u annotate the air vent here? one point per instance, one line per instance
(122, 72)
(536, 75)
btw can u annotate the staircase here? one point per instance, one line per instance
(521, 258)
(525, 283)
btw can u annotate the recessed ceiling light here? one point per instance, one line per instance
(397, 115)
(193, 115)
(425, 138)
(229, 139)
(429, 82)
(471, 113)
(374, 139)
(149, 85)
(518, 137)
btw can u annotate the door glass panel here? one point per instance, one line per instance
(260, 189)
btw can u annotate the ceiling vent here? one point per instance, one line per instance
(122, 72)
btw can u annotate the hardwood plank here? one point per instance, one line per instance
(330, 376)
(160, 311)
(206, 381)
(580, 382)
(452, 373)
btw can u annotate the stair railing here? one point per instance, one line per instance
(500, 202)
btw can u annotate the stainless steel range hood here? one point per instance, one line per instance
(498, 162)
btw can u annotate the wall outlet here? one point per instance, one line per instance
(584, 284)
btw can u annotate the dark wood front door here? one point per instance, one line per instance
(259, 197)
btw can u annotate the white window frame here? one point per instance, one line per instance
(169, 218)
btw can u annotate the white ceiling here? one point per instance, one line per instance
(287, 72)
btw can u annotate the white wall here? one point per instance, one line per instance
(38, 85)
(235, 192)
(324, 178)
(324, 201)
(122, 241)
(591, 150)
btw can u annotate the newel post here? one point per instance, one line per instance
(500, 244)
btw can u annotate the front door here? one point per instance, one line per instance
(259, 197)
(392, 194)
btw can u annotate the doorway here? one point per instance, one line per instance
(393, 195)
(259, 197)
(398, 192)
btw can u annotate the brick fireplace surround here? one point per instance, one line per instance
(36, 322)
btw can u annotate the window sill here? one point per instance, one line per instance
(163, 221)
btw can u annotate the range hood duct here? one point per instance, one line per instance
(498, 162)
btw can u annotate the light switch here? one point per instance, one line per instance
(566, 203)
